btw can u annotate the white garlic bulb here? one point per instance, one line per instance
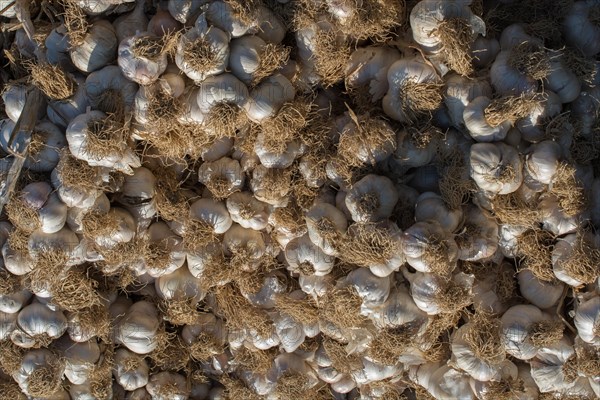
(109, 91)
(367, 68)
(203, 51)
(434, 294)
(541, 294)
(168, 386)
(268, 97)
(431, 206)
(465, 352)
(142, 58)
(429, 248)
(305, 257)
(325, 224)
(139, 327)
(97, 49)
(40, 374)
(587, 320)
(247, 211)
(496, 167)
(371, 199)
(222, 177)
(579, 29)
(476, 122)
(532, 126)
(37, 323)
(80, 360)
(574, 258)
(459, 92)
(223, 16)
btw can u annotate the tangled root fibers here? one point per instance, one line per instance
(545, 332)
(302, 311)
(52, 80)
(535, 247)
(342, 307)
(457, 37)
(483, 336)
(568, 190)
(419, 98)
(583, 263)
(368, 244)
(530, 59)
(510, 108)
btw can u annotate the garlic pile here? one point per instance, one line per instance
(311, 199)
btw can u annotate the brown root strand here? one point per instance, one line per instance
(436, 256)
(18, 240)
(236, 389)
(419, 98)
(280, 130)
(457, 37)
(255, 360)
(170, 202)
(151, 47)
(272, 57)
(201, 54)
(247, 11)
(389, 344)
(530, 59)
(588, 361)
(568, 190)
(11, 391)
(96, 224)
(94, 321)
(569, 369)
(45, 381)
(180, 311)
(10, 356)
(505, 389)
(454, 188)
(101, 377)
(224, 119)
(367, 244)
(545, 332)
(511, 209)
(330, 57)
(583, 263)
(170, 353)
(9, 283)
(77, 173)
(293, 385)
(453, 298)
(21, 215)
(74, 291)
(374, 19)
(340, 359)
(483, 336)
(197, 234)
(75, 22)
(289, 219)
(303, 311)
(342, 307)
(582, 66)
(368, 133)
(239, 313)
(506, 285)
(205, 346)
(105, 137)
(510, 108)
(535, 246)
(52, 80)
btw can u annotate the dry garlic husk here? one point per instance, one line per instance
(575, 259)
(540, 293)
(584, 109)
(109, 91)
(447, 383)
(181, 292)
(508, 79)
(12, 296)
(542, 162)
(431, 206)
(168, 386)
(459, 92)
(303, 256)
(373, 290)
(580, 28)
(397, 311)
(484, 50)
(206, 217)
(97, 48)
(448, 28)
(587, 320)
(138, 330)
(429, 248)
(101, 141)
(245, 247)
(367, 70)
(415, 147)
(222, 177)
(414, 89)
(551, 370)
(526, 329)
(39, 374)
(247, 211)
(57, 48)
(44, 150)
(202, 51)
(38, 325)
(49, 213)
(435, 294)
(372, 199)
(496, 167)
(142, 58)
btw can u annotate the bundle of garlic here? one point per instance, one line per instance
(349, 199)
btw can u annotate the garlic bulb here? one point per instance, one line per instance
(14, 300)
(549, 368)
(129, 24)
(184, 10)
(496, 167)
(476, 122)
(431, 206)
(414, 89)
(399, 309)
(305, 257)
(142, 58)
(478, 238)
(525, 329)
(14, 96)
(367, 68)
(8, 323)
(223, 16)
(435, 26)
(428, 248)
(434, 294)
(39, 374)
(109, 91)
(179, 285)
(97, 49)
(207, 211)
(166, 250)
(484, 50)
(167, 386)
(532, 126)
(574, 259)
(222, 177)
(80, 360)
(561, 80)
(61, 112)
(202, 51)
(245, 246)
(247, 211)
(414, 149)
(268, 97)
(508, 80)
(541, 294)
(373, 290)
(325, 225)
(252, 59)
(371, 199)
(459, 92)
(224, 89)
(467, 351)
(542, 163)
(139, 327)
(38, 324)
(587, 320)
(579, 29)
(95, 139)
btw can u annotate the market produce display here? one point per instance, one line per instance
(300, 199)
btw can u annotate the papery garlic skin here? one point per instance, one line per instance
(37, 320)
(304, 256)
(459, 92)
(496, 167)
(98, 49)
(371, 199)
(140, 68)
(541, 294)
(587, 320)
(109, 87)
(476, 123)
(268, 97)
(138, 329)
(367, 68)
(467, 360)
